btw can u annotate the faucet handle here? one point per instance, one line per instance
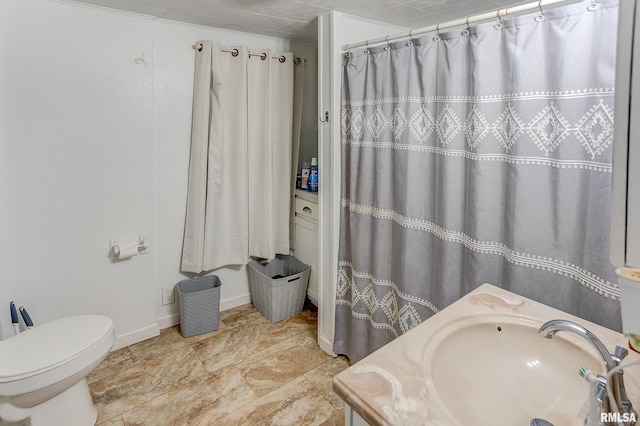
(601, 392)
(619, 354)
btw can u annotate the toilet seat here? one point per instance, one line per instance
(52, 352)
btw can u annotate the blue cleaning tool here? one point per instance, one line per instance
(14, 318)
(26, 317)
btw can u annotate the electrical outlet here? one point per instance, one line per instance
(167, 296)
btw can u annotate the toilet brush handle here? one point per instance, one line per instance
(26, 317)
(14, 318)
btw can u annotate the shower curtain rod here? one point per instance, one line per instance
(263, 56)
(499, 14)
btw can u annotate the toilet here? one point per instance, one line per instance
(43, 371)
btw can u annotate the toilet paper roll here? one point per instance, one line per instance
(126, 251)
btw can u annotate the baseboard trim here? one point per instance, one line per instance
(326, 346)
(174, 319)
(243, 299)
(170, 320)
(136, 336)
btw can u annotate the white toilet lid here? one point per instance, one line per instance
(45, 346)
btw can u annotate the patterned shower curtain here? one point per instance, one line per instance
(477, 156)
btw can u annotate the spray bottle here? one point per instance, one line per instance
(313, 175)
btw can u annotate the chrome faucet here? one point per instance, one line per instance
(621, 401)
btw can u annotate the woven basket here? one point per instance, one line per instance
(278, 287)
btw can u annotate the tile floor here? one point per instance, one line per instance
(248, 372)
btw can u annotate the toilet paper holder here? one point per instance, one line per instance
(125, 251)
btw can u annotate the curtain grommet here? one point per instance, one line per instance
(467, 31)
(540, 17)
(593, 6)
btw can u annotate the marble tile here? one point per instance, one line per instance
(305, 321)
(163, 380)
(247, 314)
(130, 387)
(170, 339)
(203, 402)
(297, 403)
(336, 420)
(115, 361)
(322, 378)
(236, 343)
(116, 421)
(242, 316)
(281, 363)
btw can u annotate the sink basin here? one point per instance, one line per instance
(480, 361)
(497, 370)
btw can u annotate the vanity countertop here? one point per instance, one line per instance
(389, 386)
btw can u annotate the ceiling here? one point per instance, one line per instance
(296, 19)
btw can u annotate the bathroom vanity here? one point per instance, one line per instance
(306, 236)
(481, 361)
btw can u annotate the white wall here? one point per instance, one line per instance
(309, 131)
(95, 122)
(77, 147)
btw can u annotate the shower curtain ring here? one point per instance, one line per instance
(500, 24)
(388, 46)
(541, 16)
(410, 43)
(367, 49)
(437, 37)
(466, 31)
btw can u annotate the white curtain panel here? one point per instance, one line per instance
(477, 157)
(270, 106)
(239, 174)
(217, 203)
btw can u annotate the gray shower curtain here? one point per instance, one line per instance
(479, 158)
